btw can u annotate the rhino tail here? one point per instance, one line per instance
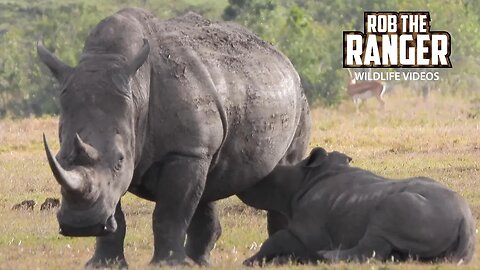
(464, 248)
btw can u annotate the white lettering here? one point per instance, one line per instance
(371, 51)
(404, 60)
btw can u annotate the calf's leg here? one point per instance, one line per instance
(370, 246)
(281, 245)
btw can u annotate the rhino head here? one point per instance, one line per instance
(95, 163)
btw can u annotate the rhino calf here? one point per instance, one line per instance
(342, 213)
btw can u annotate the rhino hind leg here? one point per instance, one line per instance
(109, 249)
(369, 247)
(298, 146)
(280, 248)
(203, 232)
(437, 232)
(296, 151)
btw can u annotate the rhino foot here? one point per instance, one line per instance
(171, 263)
(253, 261)
(202, 262)
(116, 262)
(326, 256)
(276, 261)
(203, 231)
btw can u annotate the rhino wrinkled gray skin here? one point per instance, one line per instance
(181, 112)
(343, 213)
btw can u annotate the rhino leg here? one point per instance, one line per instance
(203, 232)
(369, 247)
(277, 221)
(278, 247)
(109, 249)
(181, 183)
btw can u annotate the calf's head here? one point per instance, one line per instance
(95, 164)
(319, 156)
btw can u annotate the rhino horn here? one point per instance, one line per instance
(84, 150)
(134, 64)
(59, 69)
(70, 180)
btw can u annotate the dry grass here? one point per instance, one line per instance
(439, 139)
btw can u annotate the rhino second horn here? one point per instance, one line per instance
(84, 150)
(69, 180)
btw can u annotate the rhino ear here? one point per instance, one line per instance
(339, 158)
(59, 69)
(317, 156)
(138, 60)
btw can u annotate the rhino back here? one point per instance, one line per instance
(231, 71)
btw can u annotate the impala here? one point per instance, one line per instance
(363, 90)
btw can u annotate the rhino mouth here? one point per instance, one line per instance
(110, 226)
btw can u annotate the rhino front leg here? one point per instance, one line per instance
(180, 187)
(109, 249)
(203, 232)
(283, 244)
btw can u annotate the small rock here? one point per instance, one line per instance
(25, 205)
(50, 203)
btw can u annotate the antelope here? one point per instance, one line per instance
(364, 90)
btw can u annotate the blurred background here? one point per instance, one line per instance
(309, 32)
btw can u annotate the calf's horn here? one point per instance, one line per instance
(69, 180)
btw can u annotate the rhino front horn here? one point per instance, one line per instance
(70, 180)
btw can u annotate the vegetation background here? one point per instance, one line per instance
(309, 32)
(436, 137)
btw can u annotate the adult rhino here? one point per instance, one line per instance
(181, 112)
(343, 213)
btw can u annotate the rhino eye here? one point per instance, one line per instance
(119, 164)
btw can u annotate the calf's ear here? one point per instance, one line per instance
(339, 158)
(316, 158)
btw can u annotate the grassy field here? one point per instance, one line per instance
(439, 138)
